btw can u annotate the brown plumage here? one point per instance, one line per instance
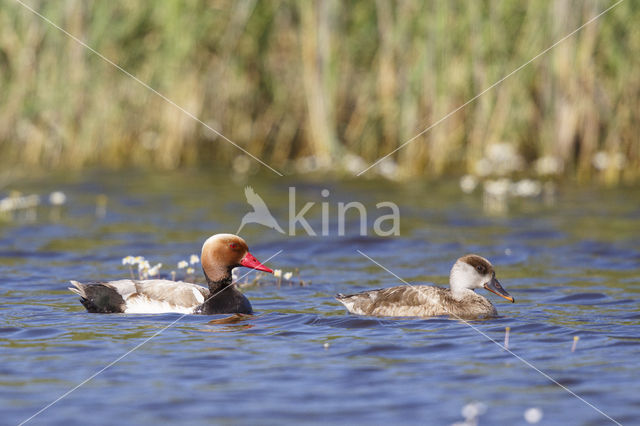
(461, 301)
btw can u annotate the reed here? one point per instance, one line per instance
(331, 81)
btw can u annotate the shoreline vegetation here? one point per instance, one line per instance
(325, 86)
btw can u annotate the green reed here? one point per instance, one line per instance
(288, 80)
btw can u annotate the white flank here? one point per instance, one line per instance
(144, 305)
(199, 297)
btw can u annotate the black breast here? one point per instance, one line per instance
(226, 301)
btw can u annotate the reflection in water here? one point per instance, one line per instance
(231, 319)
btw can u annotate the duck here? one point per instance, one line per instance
(220, 254)
(470, 272)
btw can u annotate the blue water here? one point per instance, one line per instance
(572, 264)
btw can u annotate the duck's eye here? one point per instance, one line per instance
(480, 269)
(234, 246)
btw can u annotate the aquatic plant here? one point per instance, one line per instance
(575, 343)
(183, 264)
(130, 261)
(266, 279)
(154, 270)
(324, 86)
(143, 269)
(19, 206)
(190, 271)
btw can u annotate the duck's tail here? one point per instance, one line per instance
(342, 297)
(346, 299)
(98, 298)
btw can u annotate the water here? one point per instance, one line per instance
(573, 266)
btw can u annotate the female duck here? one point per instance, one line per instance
(461, 301)
(220, 254)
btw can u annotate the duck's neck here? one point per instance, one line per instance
(461, 293)
(220, 281)
(461, 274)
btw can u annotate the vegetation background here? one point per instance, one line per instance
(331, 85)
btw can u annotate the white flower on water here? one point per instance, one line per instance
(497, 188)
(603, 160)
(495, 196)
(473, 410)
(234, 274)
(468, 183)
(143, 269)
(277, 273)
(500, 159)
(194, 259)
(128, 260)
(138, 260)
(15, 201)
(241, 164)
(526, 188)
(548, 165)
(155, 270)
(288, 275)
(600, 160)
(6, 204)
(57, 198)
(504, 158)
(533, 415)
(353, 163)
(190, 271)
(183, 264)
(388, 168)
(144, 265)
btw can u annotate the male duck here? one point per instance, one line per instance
(461, 301)
(220, 254)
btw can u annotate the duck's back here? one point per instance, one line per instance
(145, 296)
(416, 301)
